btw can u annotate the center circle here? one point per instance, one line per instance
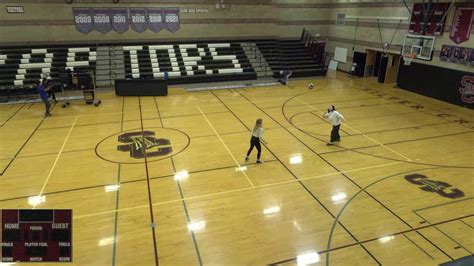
(132, 146)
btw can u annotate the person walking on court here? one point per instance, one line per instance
(257, 133)
(43, 87)
(336, 119)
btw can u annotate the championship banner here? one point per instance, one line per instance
(462, 23)
(119, 18)
(435, 25)
(83, 20)
(101, 18)
(138, 19)
(155, 19)
(171, 19)
(458, 55)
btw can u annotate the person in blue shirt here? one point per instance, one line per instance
(42, 91)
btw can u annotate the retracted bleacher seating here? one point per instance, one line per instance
(290, 55)
(22, 68)
(188, 63)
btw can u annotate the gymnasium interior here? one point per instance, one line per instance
(128, 127)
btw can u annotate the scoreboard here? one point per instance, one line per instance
(36, 235)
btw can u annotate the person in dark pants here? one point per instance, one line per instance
(50, 92)
(257, 133)
(42, 91)
(285, 76)
(336, 119)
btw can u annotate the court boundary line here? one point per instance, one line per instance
(130, 181)
(359, 132)
(442, 204)
(6, 121)
(424, 106)
(364, 189)
(226, 147)
(236, 190)
(90, 149)
(403, 141)
(354, 149)
(357, 119)
(355, 183)
(362, 147)
(388, 209)
(55, 161)
(326, 251)
(178, 183)
(24, 144)
(127, 121)
(295, 177)
(348, 107)
(445, 234)
(441, 231)
(150, 205)
(117, 197)
(420, 248)
(472, 227)
(329, 152)
(191, 105)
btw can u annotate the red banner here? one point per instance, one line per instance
(435, 20)
(462, 23)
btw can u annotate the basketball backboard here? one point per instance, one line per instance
(421, 46)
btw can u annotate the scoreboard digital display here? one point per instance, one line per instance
(36, 235)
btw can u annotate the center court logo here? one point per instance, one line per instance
(132, 146)
(442, 188)
(144, 143)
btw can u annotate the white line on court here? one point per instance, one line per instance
(56, 160)
(238, 190)
(227, 148)
(358, 132)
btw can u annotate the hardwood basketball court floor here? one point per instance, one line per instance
(397, 189)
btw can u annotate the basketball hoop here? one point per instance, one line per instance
(408, 58)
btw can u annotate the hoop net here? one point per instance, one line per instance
(408, 58)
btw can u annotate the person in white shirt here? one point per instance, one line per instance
(257, 133)
(336, 119)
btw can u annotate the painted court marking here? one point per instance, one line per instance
(56, 161)
(360, 133)
(227, 148)
(240, 189)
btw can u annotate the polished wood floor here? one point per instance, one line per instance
(397, 190)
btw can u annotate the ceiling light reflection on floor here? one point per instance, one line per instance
(241, 168)
(181, 175)
(271, 210)
(385, 239)
(296, 159)
(36, 200)
(338, 196)
(107, 241)
(112, 188)
(296, 225)
(196, 226)
(307, 258)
